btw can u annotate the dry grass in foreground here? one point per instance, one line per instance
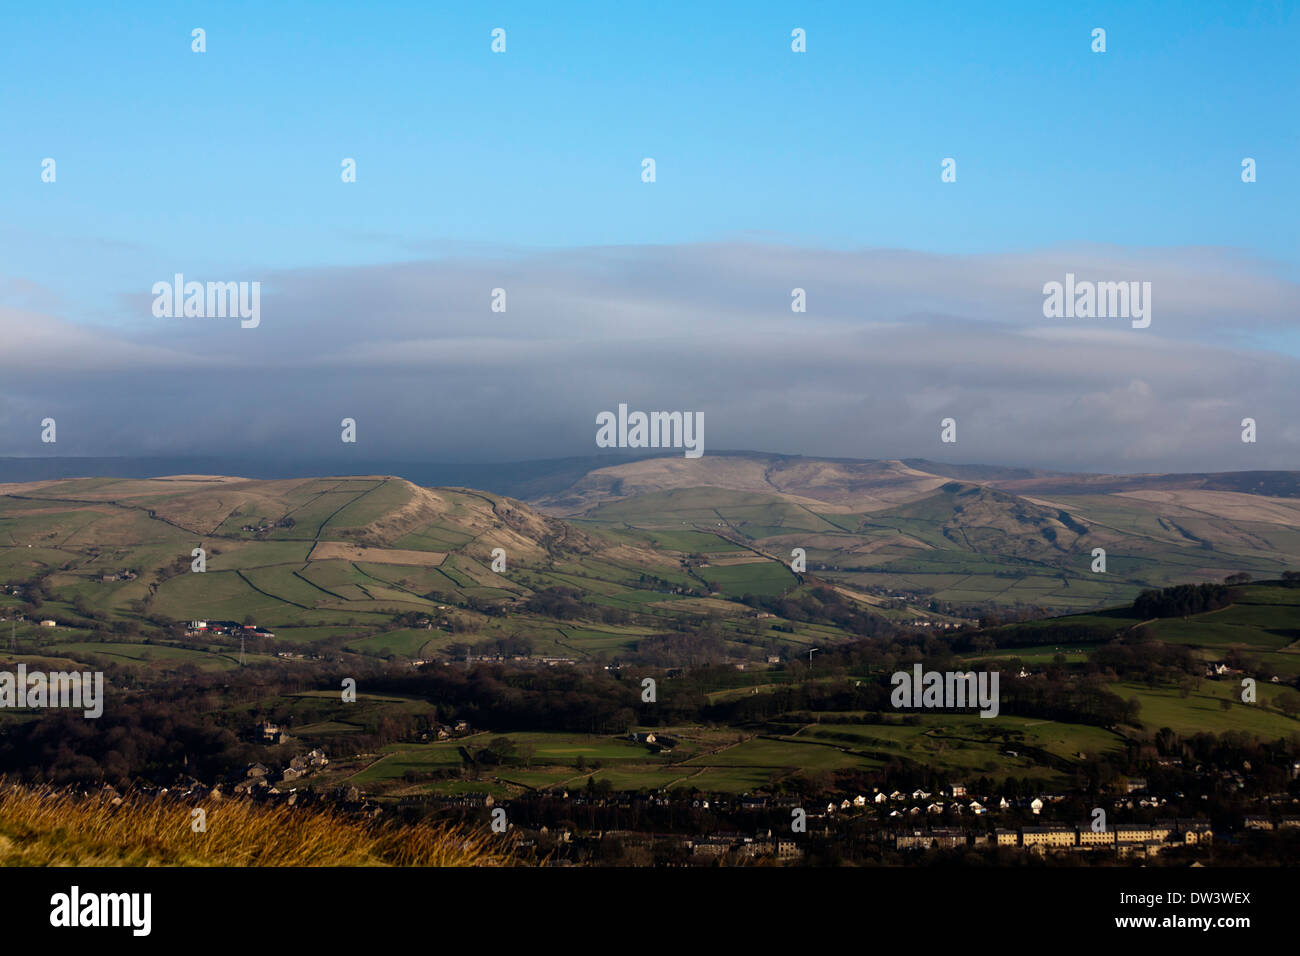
(44, 826)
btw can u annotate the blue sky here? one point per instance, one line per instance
(230, 159)
(774, 170)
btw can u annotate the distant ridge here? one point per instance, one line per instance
(544, 478)
(525, 479)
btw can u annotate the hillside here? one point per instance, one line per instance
(1259, 628)
(946, 538)
(305, 557)
(843, 486)
(373, 565)
(773, 725)
(41, 826)
(376, 577)
(380, 567)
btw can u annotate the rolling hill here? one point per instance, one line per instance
(376, 571)
(372, 565)
(945, 538)
(376, 565)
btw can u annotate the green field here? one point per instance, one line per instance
(1202, 710)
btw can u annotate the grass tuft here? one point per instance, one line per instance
(45, 826)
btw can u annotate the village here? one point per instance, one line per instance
(225, 629)
(593, 824)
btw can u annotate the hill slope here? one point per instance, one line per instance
(46, 827)
(372, 565)
(944, 537)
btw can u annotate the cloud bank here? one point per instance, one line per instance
(891, 343)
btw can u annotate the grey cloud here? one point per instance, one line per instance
(892, 342)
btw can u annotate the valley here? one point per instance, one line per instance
(524, 687)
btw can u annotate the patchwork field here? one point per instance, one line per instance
(720, 760)
(376, 568)
(337, 561)
(948, 537)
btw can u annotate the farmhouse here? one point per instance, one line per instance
(269, 733)
(232, 628)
